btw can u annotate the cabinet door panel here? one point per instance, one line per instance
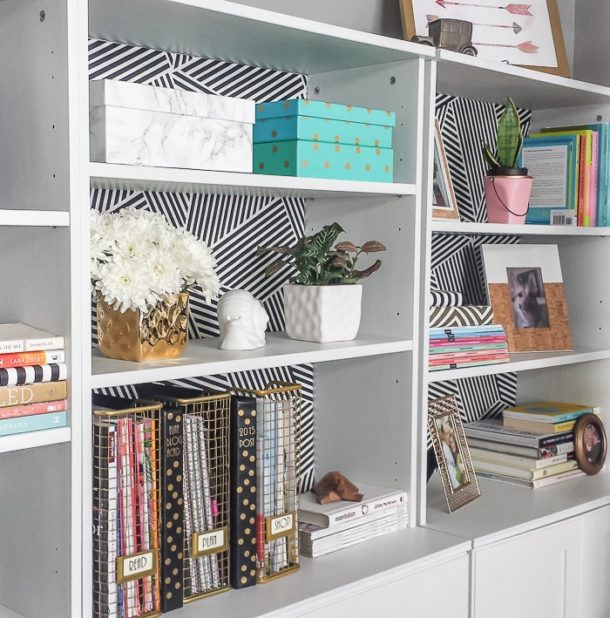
(596, 564)
(531, 575)
(438, 591)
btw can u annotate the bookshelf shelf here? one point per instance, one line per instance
(259, 37)
(34, 218)
(476, 78)
(504, 510)
(203, 358)
(525, 361)
(18, 442)
(107, 176)
(358, 566)
(458, 227)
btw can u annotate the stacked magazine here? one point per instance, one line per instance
(325, 528)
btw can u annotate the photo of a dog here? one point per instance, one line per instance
(527, 298)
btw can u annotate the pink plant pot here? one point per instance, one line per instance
(507, 198)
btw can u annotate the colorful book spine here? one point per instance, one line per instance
(32, 393)
(593, 179)
(472, 342)
(247, 525)
(38, 422)
(21, 359)
(172, 522)
(34, 408)
(31, 374)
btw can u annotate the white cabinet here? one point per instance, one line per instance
(595, 592)
(531, 575)
(434, 592)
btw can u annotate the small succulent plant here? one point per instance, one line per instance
(319, 261)
(509, 144)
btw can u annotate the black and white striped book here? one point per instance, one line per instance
(16, 376)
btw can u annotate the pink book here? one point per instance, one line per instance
(442, 343)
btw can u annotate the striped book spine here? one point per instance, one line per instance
(21, 359)
(14, 376)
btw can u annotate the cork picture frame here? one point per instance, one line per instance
(526, 291)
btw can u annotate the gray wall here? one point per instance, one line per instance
(383, 17)
(592, 43)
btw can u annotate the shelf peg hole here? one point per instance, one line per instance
(42, 16)
(599, 118)
(316, 90)
(392, 80)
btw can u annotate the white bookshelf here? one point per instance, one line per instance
(34, 218)
(203, 358)
(34, 439)
(138, 178)
(505, 510)
(370, 393)
(524, 361)
(552, 231)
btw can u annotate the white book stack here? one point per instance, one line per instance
(325, 528)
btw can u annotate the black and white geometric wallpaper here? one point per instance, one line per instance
(456, 258)
(232, 226)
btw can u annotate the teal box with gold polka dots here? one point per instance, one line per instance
(322, 109)
(324, 160)
(311, 129)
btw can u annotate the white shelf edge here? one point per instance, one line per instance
(45, 437)
(106, 175)
(458, 227)
(529, 361)
(531, 508)
(531, 75)
(346, 573)
(34, 218)
(202, 358)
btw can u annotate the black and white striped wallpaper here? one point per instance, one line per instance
(456, 259)
(232, 226)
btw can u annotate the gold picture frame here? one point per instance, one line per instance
(444, 204)
(545, 25)
(455, 465)
(590, 443)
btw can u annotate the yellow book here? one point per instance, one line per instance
(32, 393)
(538, 426)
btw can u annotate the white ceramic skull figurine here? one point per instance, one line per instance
(242, 321)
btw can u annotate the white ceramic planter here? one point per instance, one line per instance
(322, 313)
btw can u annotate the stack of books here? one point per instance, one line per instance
(32, 379)
(467, 346)
(532, 445)
(325, 528)
(571, 167)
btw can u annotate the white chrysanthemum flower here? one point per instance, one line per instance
(137, 257)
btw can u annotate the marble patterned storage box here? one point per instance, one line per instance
(301, 137)
(137, 124)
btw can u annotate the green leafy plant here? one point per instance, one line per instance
(319, 261)
(509, 141)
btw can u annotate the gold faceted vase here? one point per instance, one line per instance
(161, 333)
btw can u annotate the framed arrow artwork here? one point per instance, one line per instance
(525, 34)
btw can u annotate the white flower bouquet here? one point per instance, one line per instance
(137, 259)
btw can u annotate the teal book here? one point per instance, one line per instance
(553, 163)
(603, 194)
(23, 424)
